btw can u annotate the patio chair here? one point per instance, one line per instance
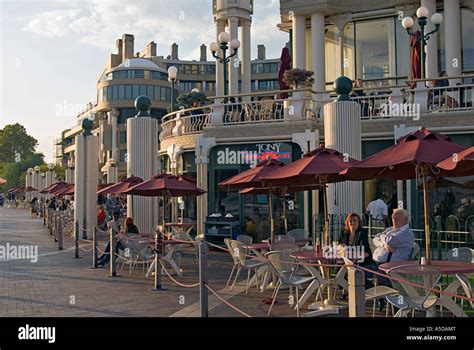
(371, 294)
(245, 239)
(415, 251)
(287, 276)
(298, 234)
(413, 298)
(138, 253)
(244, 263)
(235, 259)
(266, 109)
(463, 254)
(287, 247)
(284, 238)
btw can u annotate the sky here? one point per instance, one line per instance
(51, 52)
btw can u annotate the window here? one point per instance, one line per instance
(149, 92)
(142, 89)
(139, 74)
(157, 93)
(164, 93)
(135, 92)
(467, 27)
(121, 92)
(123, 137)
(123, 153)
(109, 93)
(128, 92)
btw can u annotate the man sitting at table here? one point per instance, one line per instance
(393, 244)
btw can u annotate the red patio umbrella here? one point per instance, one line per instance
(19, 190)
(29, 189)
(65, 191)
(166, 185)
(318, 167)
(415, 58)
(415, 154)
(459, 164)
(54, 187)
(285, 64)
(121, 186)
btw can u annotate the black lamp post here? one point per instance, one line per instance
(224, 45)
(172, 77)
(422, 14)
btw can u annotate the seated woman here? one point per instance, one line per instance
(114, 226)
(353, 235)
(130, 226)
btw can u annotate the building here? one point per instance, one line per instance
(363, 40)
(127, 75)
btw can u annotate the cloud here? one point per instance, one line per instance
(187, 22)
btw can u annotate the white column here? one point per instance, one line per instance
(113, 115)
(112, 173)
(452, 38)
(35, 183)
(246, 57)
(70, 174)
(342, 132)
(220, 27)
(233, 64)
(318, 54)
(142, 145)
(299, 41)
(28, 183)
(432, 45)
(85, 186)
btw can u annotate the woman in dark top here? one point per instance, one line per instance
(354, 235)
(130, 226)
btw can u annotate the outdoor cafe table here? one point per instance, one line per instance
(178, 227)
(169, 257)
(446, 268)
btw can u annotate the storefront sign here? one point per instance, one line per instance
(254, 153)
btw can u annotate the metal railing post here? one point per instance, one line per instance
(203, 292)
(158, 255)
(356, 283)
(113, 271)
(94, 248)
(438, 240)
(76, 239)
(370, 227)
(60, 235)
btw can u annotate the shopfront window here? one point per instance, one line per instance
(467, 25)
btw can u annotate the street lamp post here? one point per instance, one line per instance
(172, 77)
(422, 14)
(234, 44)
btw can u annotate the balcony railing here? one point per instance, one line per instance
(377, 102)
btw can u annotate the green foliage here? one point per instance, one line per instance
(15, 141)
(15, 172)
(188, 100)
(296, 78)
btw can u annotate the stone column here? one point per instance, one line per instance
(246, 57)
(203, 147)
(113, 115)
(233, 65)
(318, 55)
(28, 182)
(87, 180)
(299, 41)
(174, 154)
(432, 44)
(112, 171)
(35, 181)
(452, 39)
(220, 27)
(70, 173)
(342, 132)
(142, 146)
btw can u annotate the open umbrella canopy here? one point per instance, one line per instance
(121, 186)
(402, 161)
(65, 191)
(12, 189)
(251, 177)
(102, 186)
(29, 189)
(280, 190)
(166, 185)
(285, 64)
(459, 164)
(19, 190)
(321, 165)
(54, 187)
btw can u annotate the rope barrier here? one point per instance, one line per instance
(175, 281)
(227, 303)
(132, 261)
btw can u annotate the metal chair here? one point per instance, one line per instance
(280, 263)
(298, 234)
(245, 239)
(284, 238)
(235, 260)
(412, 298)
(463, 254)
(415, 251)
(244, 263)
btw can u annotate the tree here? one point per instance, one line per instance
(188, 100)
(15, 172)
(298, 77)
(16, 144)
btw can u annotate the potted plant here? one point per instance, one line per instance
(297, 78)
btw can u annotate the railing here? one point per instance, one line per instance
(186, 121)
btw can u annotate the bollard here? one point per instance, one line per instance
(60, 236)
(203, 292)
(94, 248)
(356, 283)
(113, 270)
(158, 255)
(76, 239)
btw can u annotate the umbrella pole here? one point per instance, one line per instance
(427, 223)
(272, 223)
(326, 221)
(285, 219)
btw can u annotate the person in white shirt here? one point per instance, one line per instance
(378, 211)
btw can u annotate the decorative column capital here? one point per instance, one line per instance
(203, 148)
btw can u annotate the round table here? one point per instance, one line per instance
(458, 268)
(266, 245)
(179, 228)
